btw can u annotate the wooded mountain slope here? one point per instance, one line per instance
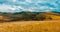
(29, 16)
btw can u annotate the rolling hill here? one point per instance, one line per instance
(29, 16)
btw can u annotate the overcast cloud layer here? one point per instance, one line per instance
(29, 5)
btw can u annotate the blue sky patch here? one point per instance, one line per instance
(29, 5)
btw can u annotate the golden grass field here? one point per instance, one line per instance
(30, 26)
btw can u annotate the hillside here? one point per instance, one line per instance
(30, 22)
(29, 16)
(53, 16)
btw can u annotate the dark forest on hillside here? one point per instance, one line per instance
(26, 16)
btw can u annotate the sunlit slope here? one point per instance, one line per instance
(3, 18)
(53, 16)
(31, 16)
(30, 26)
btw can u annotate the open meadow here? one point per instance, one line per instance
(30, 26)
(30, 22)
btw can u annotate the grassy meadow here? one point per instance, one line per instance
(30, 26)
(30, 22)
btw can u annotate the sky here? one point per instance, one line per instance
(29, 5)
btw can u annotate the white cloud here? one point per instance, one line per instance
(28, 1)
(14, 0)
(7, 8)
(46, 9)
(4, 7)
(29, 10)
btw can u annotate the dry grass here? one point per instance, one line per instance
(31, 26)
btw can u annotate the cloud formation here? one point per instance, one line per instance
(29, 5)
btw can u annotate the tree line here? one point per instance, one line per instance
(26, 16)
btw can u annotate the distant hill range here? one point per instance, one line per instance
(29, 16)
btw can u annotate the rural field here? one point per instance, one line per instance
(30, 26)
(29, 15)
